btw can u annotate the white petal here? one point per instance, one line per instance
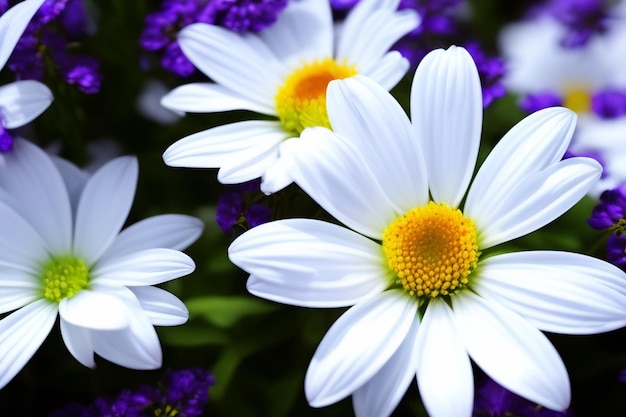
(370, 29)
(94, 310)
(332, 171)
(444, 370)
(12, 298)
(511, 351)
(381, 394)
(208, 98)
(368, 116)
(170, 231)
(21, 247)
(357, 346)
(22, 101)
(74, 178)
(161, 307)
(558, 292)
(536, 201)
(12, 25)
(104, 206)
(310, 263)
(302, 32)
(389, 70)
(146, 267)
(78, 342)
(241, 63)
(32, 180)
(243, 150)
(535, 143)
(21, 334)
(446, 110)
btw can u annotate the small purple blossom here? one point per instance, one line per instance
(531, 103)
(582, 19)
(6, 140)
(609, 103)
(491, 70)
(616, 250)
(236, 207)
(610, 210)
(161, 27)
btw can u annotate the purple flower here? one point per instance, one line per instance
(530, 103)
(491, 71)
(6, 140)
(609, 103)
(610, 210)
(616, 250)
(237, 207)
(582, 19)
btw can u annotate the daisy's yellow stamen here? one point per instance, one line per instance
(433, 249)
(578, 100)
(64, 277)
(301, 100)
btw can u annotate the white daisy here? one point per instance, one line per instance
(20, 101)
(426, 292)
(62, 252)
(283, 71)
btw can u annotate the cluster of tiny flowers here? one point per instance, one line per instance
(50, 37)
(162, 27)
(582, 19)
(236, 207)
(493, 400)
(610, 213)
(182, 393)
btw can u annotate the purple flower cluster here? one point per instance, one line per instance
(610, 213)
(237, 207)
(582, 19)
(50, 38)
(491, 70)
(182, 393)
(162, 27)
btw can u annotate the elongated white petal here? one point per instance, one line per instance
(12, 298)
(532, 145)
(104, 206)
(210, 97)
(22, 101)
(370, 29)
(21, 334)
(444, 370)
(331, 170)
(357, 346)
(146, 267)
(557, 292)
(161, 307)
(170, 231)
(74, 178)
(389, 70)
(367, 116)
(78, 342)
(12, 25)
(243, 150)
(446, 110)
(302, 32)
(536, 201)
(21, 247)
(94, 310)
(512, 351)
(379, 396)
(310, 263)
(241, 63)
(32, 180)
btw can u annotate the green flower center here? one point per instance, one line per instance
(64, 277)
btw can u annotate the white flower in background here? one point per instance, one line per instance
(283, 72)
(588, 78)
(427, 292)
(20, 101)
(62, 254)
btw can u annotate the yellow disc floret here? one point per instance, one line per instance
(578, 100)
(301, 100)
(63, 277)
(432, 249)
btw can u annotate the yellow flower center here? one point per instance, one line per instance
(301, 100)
(578, 100)
(433, 249)
(64, 277)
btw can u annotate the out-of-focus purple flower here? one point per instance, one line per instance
(236, 207)
(161, 27)
(491, 70)
(582, 19)
(616, 250)
(610, 210)
(56, 24)
(530, 103)
(609, 103)
(6, 140)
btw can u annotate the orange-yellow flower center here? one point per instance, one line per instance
(301, 100)
(432, 249)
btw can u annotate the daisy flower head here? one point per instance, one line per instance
(20, 101)
(414, 262)
(63, 255)
(282, 71)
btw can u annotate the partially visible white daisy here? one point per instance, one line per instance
(283, 72)
(414, 263)
(588, 79)
(20, 101)
(62, 254)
